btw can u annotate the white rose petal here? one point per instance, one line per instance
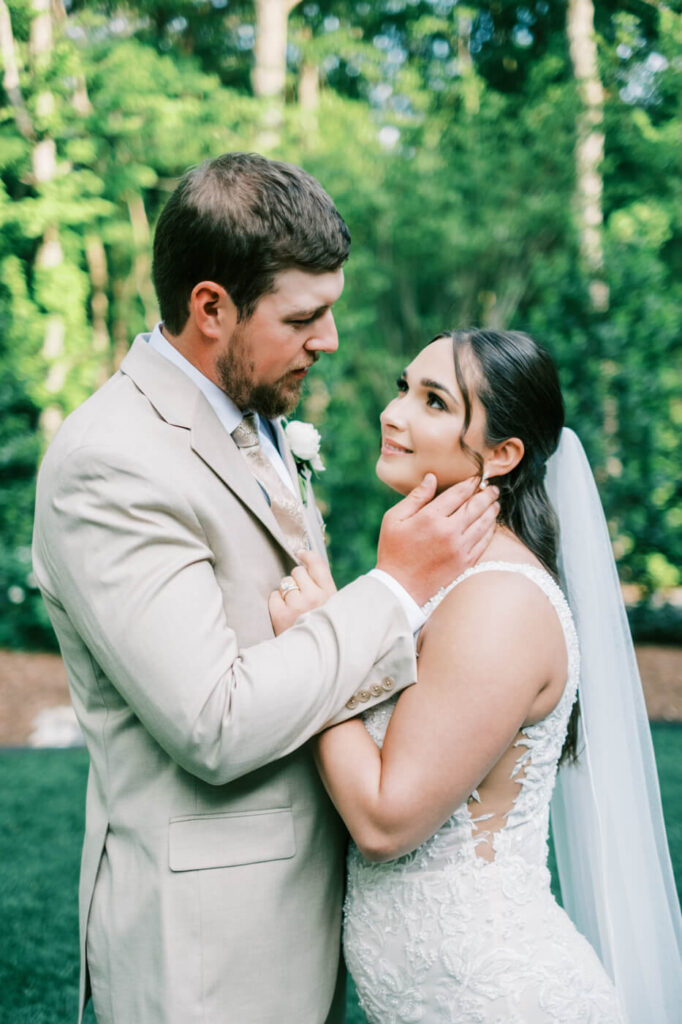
(304, 441)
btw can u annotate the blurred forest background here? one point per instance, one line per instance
(499, 163)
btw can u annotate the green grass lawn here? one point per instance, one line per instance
(41, 811)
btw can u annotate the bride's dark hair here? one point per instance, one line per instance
(518, 386)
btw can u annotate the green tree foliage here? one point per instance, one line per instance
(445, 132)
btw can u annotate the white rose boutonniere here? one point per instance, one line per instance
(304, 441)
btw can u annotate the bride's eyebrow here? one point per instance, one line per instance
(427, 383)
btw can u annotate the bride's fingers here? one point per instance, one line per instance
(314, 584)
(306, 584)
(318, 568)
(279, 616)
(300, 593)
(286, 608)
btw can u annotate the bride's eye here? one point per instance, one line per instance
(401, 385)
(435, 401)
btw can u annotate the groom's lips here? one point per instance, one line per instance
(302, 371)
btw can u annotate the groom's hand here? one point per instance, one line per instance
(426, 541)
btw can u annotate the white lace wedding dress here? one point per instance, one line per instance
(446, 934)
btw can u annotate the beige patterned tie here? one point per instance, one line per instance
(285, 505)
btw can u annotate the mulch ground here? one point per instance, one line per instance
(31, 682)
(28, 684)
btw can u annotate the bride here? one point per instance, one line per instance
(446, 790)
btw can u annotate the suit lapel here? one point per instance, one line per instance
(315, 524)
(211, 443)
(177, 400)
(285, 452)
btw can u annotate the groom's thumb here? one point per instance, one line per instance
(418, 497)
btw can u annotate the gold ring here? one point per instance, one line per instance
(287, 585)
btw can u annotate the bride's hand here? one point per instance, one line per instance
(313, 586)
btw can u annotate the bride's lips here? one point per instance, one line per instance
(389, 447)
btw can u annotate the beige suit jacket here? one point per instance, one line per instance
(212, 868)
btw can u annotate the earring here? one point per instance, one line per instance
(484, 482)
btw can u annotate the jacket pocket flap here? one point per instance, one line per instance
(225, 840)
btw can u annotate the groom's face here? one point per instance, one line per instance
(264, 360)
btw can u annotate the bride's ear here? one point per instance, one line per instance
(504, 457)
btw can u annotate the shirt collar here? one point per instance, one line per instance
(225, 409)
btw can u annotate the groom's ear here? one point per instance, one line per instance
(504, 457)
(212, 309)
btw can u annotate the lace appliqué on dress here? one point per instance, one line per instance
(445, 935)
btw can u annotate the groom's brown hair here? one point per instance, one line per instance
(239, 220)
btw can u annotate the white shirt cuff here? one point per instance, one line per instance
(415, 616)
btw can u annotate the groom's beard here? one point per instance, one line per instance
(235, 371)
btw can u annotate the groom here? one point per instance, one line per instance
(212, 867)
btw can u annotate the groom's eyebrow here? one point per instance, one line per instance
(307, 314)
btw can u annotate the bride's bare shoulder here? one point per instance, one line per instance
(497, 588)
(499, 610)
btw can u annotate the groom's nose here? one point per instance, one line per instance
(324, 336)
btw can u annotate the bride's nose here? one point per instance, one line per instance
(392, 416)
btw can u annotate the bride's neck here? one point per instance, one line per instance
(506, 547)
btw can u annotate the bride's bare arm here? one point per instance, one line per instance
(488, 651)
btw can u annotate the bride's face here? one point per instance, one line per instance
(421, 427)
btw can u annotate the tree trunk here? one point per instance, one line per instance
(589, 151)
(99, 302)
(498, 308)
(50, 254)
(10, 79)
(41, 42)
(142, 268)
(269, 72)
(123, 299)
(309, 87)
(471, 85)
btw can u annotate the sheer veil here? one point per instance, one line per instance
(614, 865)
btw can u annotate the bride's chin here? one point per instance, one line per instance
(394, 480)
